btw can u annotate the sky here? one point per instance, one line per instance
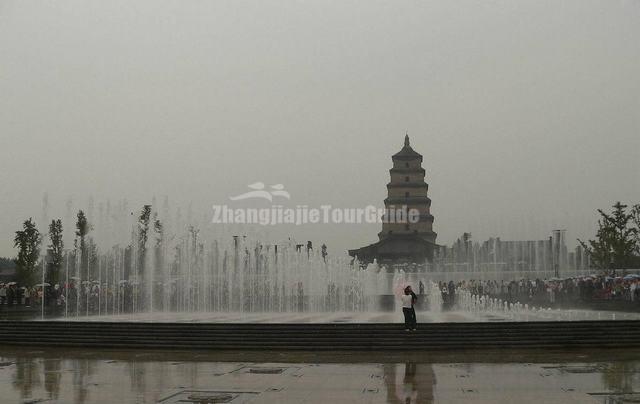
(527, 112)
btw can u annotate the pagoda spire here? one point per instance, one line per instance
(406, 139)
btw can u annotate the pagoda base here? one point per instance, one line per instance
(396, 249)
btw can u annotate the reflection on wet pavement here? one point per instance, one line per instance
(50, 376)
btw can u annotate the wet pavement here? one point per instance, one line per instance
(55, 376)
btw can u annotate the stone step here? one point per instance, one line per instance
(432, 336)
(315, 327)
(230, 328)
(306, 336)
(330, 347)
(338, 344)
(316, 335)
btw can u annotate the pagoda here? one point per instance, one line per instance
(404, 241)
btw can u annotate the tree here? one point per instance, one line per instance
(143, 235)
(635, 214)
(27, 241)
(158, 228)
(82, 229)
(56, 247)
(616, 243)
(324, 253)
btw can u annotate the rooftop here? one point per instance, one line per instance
(407, 150)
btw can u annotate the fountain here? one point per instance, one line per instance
(245, 280)
(486, 308)
(185, 272)
(242, 277)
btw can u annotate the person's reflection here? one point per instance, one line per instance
(409, 383)
(410, 393)
(83, 370)
(52, 376)
(26, 377)
(621, 376)
(137, 372)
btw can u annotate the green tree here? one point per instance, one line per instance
(635, 214)
(616, 243)
(27, 241)
(143, 235)
(158, 227)
(82, 229)
(56, 247)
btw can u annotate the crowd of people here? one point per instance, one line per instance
(592, 288)
(11, 294)
(91, 297)
(448, 291)
(85, 296)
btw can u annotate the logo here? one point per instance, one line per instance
(303, 214)
(259, 192)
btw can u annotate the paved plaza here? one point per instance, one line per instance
(55, 376)
(360, 317)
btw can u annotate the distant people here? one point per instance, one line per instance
(3, 294)
(29, 294)
(56, 294)
(573, 290)
(421, 288)
(408, 300)
(11, 295)
(451, 294)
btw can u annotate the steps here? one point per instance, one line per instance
(325, 337)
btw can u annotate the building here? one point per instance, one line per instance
(529, 258)
(404, 241)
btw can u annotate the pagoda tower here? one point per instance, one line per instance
(404, 240)
(408, 188)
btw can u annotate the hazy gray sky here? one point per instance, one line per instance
(527, 112)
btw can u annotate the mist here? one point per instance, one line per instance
(526, 112)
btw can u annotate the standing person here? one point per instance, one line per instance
(408, 300)
(11, 294)
(452, 293)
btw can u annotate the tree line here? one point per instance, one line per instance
(616, 244)
(28, 241)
